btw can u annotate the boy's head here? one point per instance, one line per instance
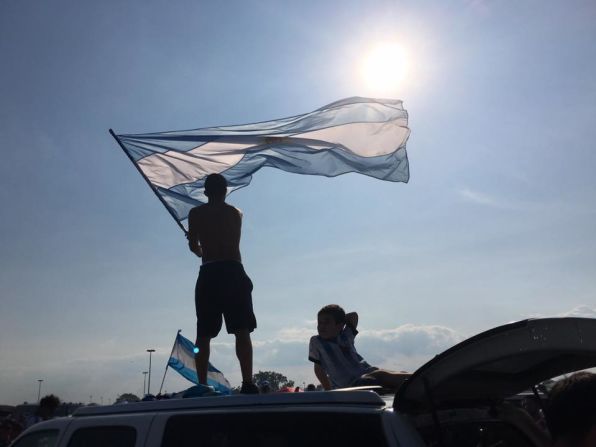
(331, 319)
(215, 186)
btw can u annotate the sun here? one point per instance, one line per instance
(384, 68)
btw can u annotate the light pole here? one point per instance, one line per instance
(144, 381)
(150, 351)
(39, 389)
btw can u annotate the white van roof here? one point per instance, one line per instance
(341, 398)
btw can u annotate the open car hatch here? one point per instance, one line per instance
(499, 363)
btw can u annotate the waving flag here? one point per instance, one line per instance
(182, 360)
(361, 135)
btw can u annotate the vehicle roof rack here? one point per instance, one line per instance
(322, 398)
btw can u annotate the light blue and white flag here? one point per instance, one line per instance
(182, 360)
(361, 135)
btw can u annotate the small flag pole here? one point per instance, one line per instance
(168, 364)
(153, 188)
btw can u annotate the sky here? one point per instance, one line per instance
(497, 222)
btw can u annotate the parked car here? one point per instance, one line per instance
(456, 399)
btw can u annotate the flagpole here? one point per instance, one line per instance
(153, 188)
(168, 364)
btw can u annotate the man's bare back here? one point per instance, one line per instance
(214, 232)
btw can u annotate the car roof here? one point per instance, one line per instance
(366, 399)
(499, 363)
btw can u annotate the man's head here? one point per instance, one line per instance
(215, 186)
(331, 319)
(48, 406)
(571, 414)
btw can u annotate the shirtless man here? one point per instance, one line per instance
(223, 287)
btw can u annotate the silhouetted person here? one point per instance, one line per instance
(46, 409)
(223, 287)
(337, 364)
(571, 413)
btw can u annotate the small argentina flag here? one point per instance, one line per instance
(182, 360)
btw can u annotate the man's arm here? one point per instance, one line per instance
(193, 234)
(322, 376)
(352, 320)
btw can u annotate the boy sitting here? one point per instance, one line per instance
(337, 364)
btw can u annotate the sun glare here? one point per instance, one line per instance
(384, 68)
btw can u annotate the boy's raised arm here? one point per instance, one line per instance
(322, 376)
(352, 319)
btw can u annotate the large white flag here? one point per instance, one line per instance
(361, 135)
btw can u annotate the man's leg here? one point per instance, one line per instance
(244, 354)
(202, 358)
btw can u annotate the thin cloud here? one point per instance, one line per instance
(478, 197)
(408, 340)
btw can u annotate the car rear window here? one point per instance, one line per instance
(112, 436)
(267, 429)
(41, 438)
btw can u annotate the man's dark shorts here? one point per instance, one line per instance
(223, 288)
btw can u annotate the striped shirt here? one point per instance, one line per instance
(338, 357)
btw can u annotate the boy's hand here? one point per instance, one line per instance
(352, 319)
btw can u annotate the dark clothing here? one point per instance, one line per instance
(223, 287)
